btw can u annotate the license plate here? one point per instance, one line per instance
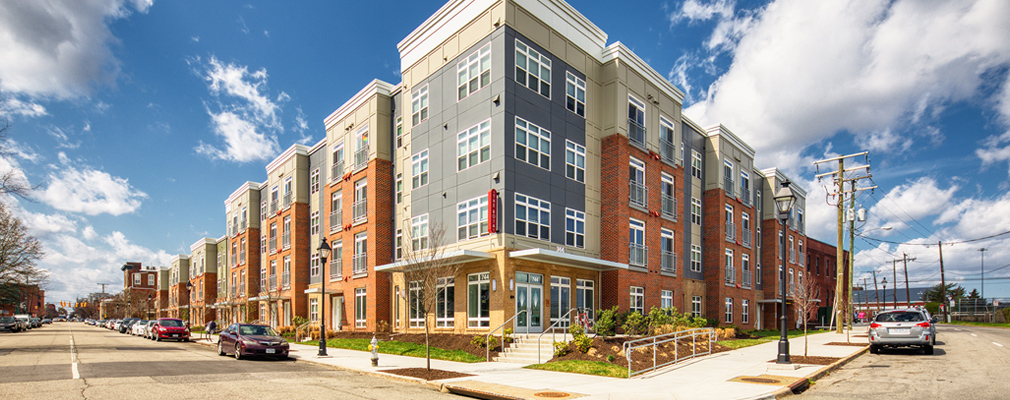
(271, 351)
(175, 335)
(900, 331)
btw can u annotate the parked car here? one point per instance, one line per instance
(10, 324)
(136, 327)
(243, 340)
(170, 328)
(902, 328)
(146, 329)
(125, 327)
(25, 320)
(46, 321)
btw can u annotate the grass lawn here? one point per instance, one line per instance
(989, 324)
(764, 336)
(584, 367)
(401, 349)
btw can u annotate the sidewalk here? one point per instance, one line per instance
(709, 377)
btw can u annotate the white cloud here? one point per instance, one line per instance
(90, 191)
(89, 233)
(59, 48)
(243, 142)
(974, 218)
(12, 106)
(47, 224)
(804, 70)
(914, 200)
(695, 10)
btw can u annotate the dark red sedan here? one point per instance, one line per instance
(170, 328)
(242, 340)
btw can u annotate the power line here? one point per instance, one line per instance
(933, 234)
(930, 244)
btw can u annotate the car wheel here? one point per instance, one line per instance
(238, 352)
(874, 349)
(220, 348)
(927, 350)
(157, 338)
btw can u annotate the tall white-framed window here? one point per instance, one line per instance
(637, 299)
(336, 210)
(360, 308)
(314, 181)
(730, 224)
(745, 186)
(638, 252)
(399, 187)
(728, 317)
(667, 149)
(286, 236)
(533, 144)
(745, 267)
(696, 211)
(696, 164)
(478, 300)
(666, 299)
(668, 196)
(415, 294)
(314, 310)
(636, 121)
(419, 232)
(533, 217)
(792, 250)
(288, 192)
(474, 72)
(575, 94)
(730, 268)
(399, 244)
(745, 230)
(799, 220)
(314, 264)
(314, 223)
(668, 253)
(638, 193)
(575, 161)
(471, 218)
(360, 261)
(696, 306)
(361, 148)
(575, 228)
(399, 131)
(445, 298)
(419, 169)
(533, 69)
(727, 176)
(695, 258)
(337, 168)
(745, 311)
(473, 146)
(419, 105)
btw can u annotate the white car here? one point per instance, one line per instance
(137, 329)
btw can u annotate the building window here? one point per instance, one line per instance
(314, 264)
(314, 181)
(337, 168)
(360, 310)
(696, 306)
(419, 233)
(399, 244)
(288, 193)
(727, 176)
(478, 310)
(668, 256)
(575, 94)
(745, 267)
(575, 228)
(137, 279)
(730, 268)
(314, 310)
(666, 132)
(638, 193)
(533, 217)
(361, 148)
(399, 187)
(336, 210)
(667, 196)
(337, 260)
(419, 169)
(533, 144)
(150, 280)
(575, 161)
(745, 311)
(666, 299)
(696, 164)
(286, 236)
(473, 146)
(360, 206)
(273, 237)
(533, 69)
(399, 131)
(745, 229)
(415, 294)
(561, 299)
(471, 218)
(314, 223)
(360, 261)
(695, 258)
(638, 252)
(636, 121)
(445, 298)
(637, 299)
(728, 318)
(696, 211)
(419, 105)
(745, 187)
(474, 72)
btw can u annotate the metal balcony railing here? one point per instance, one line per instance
(361, 158)
(234, 259)
(336, 221)
(636, 133)
(728, 187)
(746, 278)
(241, 290)
(273, 282)
(668, 261)
(286, 240)
(315, 278)
(286, 280)
(234, 230)
(242, 225)
(234, 291)
(273, 244)
(730, 274)
(337, 170)
(730, 231)
(360, 210)
(638, 194)
(667, 150)
(669, 206)
(792, 255)
(360, 263)
(336, 269)
(241, 257)
(287, 200)
(273, 207)
(263, 283)
(746, 237)
(638, 254)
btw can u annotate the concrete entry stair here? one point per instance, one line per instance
(524, 349)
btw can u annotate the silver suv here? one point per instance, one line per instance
(902, 328)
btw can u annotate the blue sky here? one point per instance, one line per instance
(140, 117)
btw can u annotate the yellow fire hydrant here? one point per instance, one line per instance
(374, 348)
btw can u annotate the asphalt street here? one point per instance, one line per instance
(76, 361)
(968, 362)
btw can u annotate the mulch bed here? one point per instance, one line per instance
(428, 375)
(447, 341)
(846, 344)
(642, 358)
(815, 360)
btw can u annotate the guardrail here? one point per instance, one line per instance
(630, 346)
(582, 318)
(487, 347)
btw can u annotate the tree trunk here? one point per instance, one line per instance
(427, 346)
(806, 341)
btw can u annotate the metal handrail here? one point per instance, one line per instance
(631, 345)
(487, 347)
(304, 326)
(553, 328)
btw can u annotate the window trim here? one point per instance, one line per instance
(579, 220)
(541, 59)
(577, 84)
(482, 133)
(578, 152)
(420, 161)
(463, 67)
(422, 99)
(539, 207)
(532, 130)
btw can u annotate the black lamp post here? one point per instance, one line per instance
(189, 307)
(885, 294)
(324, 253)
(148, 306)
(784, 200)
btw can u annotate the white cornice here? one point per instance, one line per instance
(319, 145)
(295, 149)
(693, 124)
(777, 176)
(445, 22)
(724, 132)
(179, 257)
(250, 185)
(202, 242)
(620, 52)
(569, 22)
(374, 87)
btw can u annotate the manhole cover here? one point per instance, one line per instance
(554, 395)
(759, 380)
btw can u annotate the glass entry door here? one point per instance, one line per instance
(529, 297)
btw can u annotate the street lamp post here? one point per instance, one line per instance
(324, 253)
(189, 307)
(784, 200)
(148, 306)
(885, 293)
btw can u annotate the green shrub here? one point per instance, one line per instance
(299, 320)
(607, 321)
(635, 324)
(479, 340)
(576, 331)
(611, 358)
(583, 342)
(508, 338)
(560, 349)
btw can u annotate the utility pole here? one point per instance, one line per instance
(908, 295)
(982, 271)
(876, 291)
(894, 287)
(943, 284)
(840, 286)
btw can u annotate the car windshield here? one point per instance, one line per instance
(170, 322)
(907, 316)
(256, 330)
(6, 319)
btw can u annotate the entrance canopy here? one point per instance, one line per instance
(570, 260)
(452, 257)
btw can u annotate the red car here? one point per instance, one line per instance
(243, 340)
(170, 328)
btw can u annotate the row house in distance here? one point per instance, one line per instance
(775, 236)
(203, 278)
(821, 259)
(220, 301)
(140, 284)
(178, 294)
(243, 218)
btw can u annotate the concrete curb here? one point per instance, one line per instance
(804, 382)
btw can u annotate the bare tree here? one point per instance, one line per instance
(426, 272)
(19, 252)
(805, 299)
(12, 181)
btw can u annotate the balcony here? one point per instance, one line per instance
(746, 279)
(360, 211)
(286, 240)
(668, 261)
(336, 221)
(287, 200)
(337, 170)
(273, 282)
(746, 237)
(636, 133)
(241, 257)
(336, 269)
(727, 185)
(272, 244)
(792, 255)
(361, 158)
(315, 278)
(241, 290)
(730, 231)
(637, 255)
(234, 291)
(638, 194)
(730, 275)
(360, 264)
(803, 259)
(667, 150)
(286, 280)
(669, 206)
(273, 207)
(242, 225)
(234, 230)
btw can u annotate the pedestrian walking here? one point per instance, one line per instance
(211, 327)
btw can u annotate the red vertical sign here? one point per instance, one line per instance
(492, 211)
